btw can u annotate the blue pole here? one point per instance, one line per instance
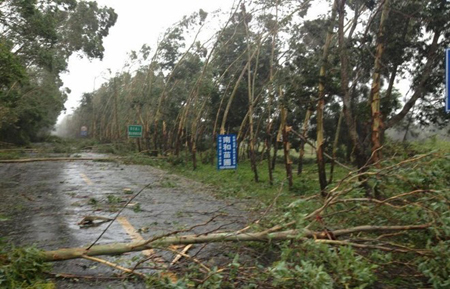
(447, 80)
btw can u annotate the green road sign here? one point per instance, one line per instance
(135, 131)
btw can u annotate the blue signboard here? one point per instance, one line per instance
(226, 152)
(84, 131)
(447, 80)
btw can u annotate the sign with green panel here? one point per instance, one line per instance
(134, 131)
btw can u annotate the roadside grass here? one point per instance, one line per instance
(12, 155)
(240, 183)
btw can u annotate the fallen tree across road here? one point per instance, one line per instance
(121, 248)
(54, 160)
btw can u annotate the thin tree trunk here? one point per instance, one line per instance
(405, 136)
(305, 127)
(285, 139)
(194, 136)
(230, 100)
(375, 98)
(321, 101)
(335, 144)
(287, 158)
(267, 143)
(116, 114)
(274, 158)
(251, 141)
(268, 140)
(360, 154)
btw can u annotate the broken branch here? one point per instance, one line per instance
(113, 265)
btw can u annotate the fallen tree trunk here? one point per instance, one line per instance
(266, 236)
(54, 160)
(18, 150)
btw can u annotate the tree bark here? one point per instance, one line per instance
(268, 140)
(321, 101)
(346, 98)
(116, 114)
(250, 90)
(335, 144)
(375, 98)
(286, 144)
(305, 126)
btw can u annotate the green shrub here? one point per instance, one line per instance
(23, 268)
(313, 265)
(305, 275)
(437, 269)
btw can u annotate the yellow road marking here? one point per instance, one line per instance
(86, 180)
(131, 231)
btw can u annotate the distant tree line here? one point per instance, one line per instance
(36, 39)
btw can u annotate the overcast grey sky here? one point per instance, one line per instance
(139, 22)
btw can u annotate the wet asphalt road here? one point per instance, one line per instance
(44, 202)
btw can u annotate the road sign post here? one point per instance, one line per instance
(226, 152)
(135, 131)
(84, 131)
(447, 80)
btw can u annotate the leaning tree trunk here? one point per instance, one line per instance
(116, 114)
(361, 157)
(321, 102)
(375, 98)
(194, 137)
(308, 115)
(251, 141)
(284, 132)
(230, 100)
(275, 152)
(268, 140)
(335, 144)
(347, 108)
